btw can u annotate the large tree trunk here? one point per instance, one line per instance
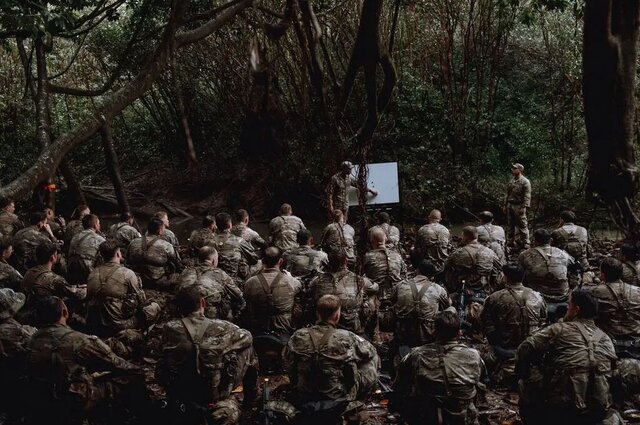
(111, 159)
(73, 185)
(609, 69)
(44, 194)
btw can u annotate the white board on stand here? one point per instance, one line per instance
(383, 178)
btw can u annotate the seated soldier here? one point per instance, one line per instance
(509, 316)
(433, 241)
(168, 234)
(392, 232)
(416, 303)
(339, 237)
(492, 236)
(284, 228)
(56, 224)
(438, 382)
(9, 222)
(203, 361)
(26, 240)
(241, 228)
(618, 308)
(203, 236)
(124, 232)
(154, 258)
(329, 368)
(115, 299)
(83, 251)
(304, 262)
(75, 225)
(630, 264)
(356, 293)
(72, 374)
(223, 298)
(574, 240)
(236, 255)
(9, 277)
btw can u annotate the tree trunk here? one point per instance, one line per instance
(72, 182)
(111, 159)
(44, 194)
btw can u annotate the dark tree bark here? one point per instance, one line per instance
(73, 185)
(113, 166)
(609, 70)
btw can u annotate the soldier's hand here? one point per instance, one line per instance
(61, 220)
(374, 192)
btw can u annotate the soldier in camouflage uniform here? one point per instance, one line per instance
(203, 236)
(570, 386)
(329, 367)
(9, 277)
(241, 228)
(83, 251)
(236, 255)
(272, 297)
(71, 373)
(516, 204)
(509, 316)
(304, 262)
(630, 264)
(338, 189)
(284, 228)
(416, 303)
(168, 234)
(618, 308)
(155, 259)
(575, 241)
(9, 222)
(124, 232)
(203, 361)
(223, 298)
(75, 225)
(392, 232)
(439, 380)
(26, 240)
(492, 236)
(14, 342)
(339, 237)
(56, 224)
(433, 240)
(115, 299)
(356, 293)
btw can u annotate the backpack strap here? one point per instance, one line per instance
(417, 295)
(195, 335)
(318, 345)
(524, 317)
(590, 342)
(268, 289)
(82, 239)
(103, 282)
(620, 299)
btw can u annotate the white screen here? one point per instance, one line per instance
(383, 178)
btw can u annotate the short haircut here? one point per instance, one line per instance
(208, 220)
(513, 272)
(187, 300)
(240, 215)
(271, 256)
(126, 216)
(568, 216)
(327, 306)
(427, 268)
(89, 221)
(629, 251)
(303, 236)
(223, 220)
(5, 242)
(154, 226)
(486, 216)
(447, 326)
(77, 213)
(206, 253)
(161, 215)
(44, 251)
(49, 310)
(542, 236)
(108, 249)
(285, 209)
(337, 215)
(5, 202)
(37, 217)
(611, 268)
(588, 303)
(337, 259)
(470, 232)
(383, 217)
(377, 235)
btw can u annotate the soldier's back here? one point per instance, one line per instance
(25, 243)
(631, 272)
(222, 296)
(384, 267)
(199, 238)
(618, 309)
(9, 223)
(151, 257)
(283, 231)
(546, 269)
(339, 238)
(304, 260)
(123, 234)
(9, 277)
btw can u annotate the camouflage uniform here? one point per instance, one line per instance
(393, 235)
(433, 242)
(493, 238)
(325, 363)
(439, 379)
(474, 264)
(518, 196)
(154, 259)
(339, 191)
(235, 255)
(83, 255)
(62, 365)
(339, 238)
(171, 237)
(9, 223)
(545, 270)
(203, 361)
(9, 277)
(416, 302)
(25, 243)
(283, 231)
(116, 301)
(630, 271)
(353, 291)
(574, 384)
(199, 238)
(271, 297)
(303, 262)
(40, 282)
(123, 233)
(249, 235)
(73, 228)
(222, 295)
(575, 241)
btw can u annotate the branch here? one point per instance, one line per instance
(26, 65)
(209, 27)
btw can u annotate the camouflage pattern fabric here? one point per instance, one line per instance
(199, 238)
(385, 268)
(545, 270)
(518, 196)
(433, 242)
(339, 238)
(235, 255)
(283, 231)
(476, 265)
(618, 309)
(339, 190)
(249, 235)
(9, 223)
(9, 277)
(304, 261)
(83, 255)
(154, 260)
(392, 233)
(123, 234)
(25, 243)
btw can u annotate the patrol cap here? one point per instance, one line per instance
(346, 164)
(518, 166)
(10, 302)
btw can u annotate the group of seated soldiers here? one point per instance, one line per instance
(75, 320)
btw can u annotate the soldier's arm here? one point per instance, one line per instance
(532, 349)
(527, 194)
(248, 253)
(135, 283)
(68, 290)
(370, 288)
(487, 319)
(257, 240)
(96, 356)
(235, 297)
(174, 258)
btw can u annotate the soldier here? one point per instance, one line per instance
(241, 228)
(338, 237)
(630, 264)
(509, 316)
(355, 292)
(392, 232)
(236, 255)
(123, 233)
(433, 240)
(338, 189)
(75, 224)
(492, 236)
(68, 371)
(26, 240)
(284, 228)
(56, 224)
(14, 340)
(223, 298)
(83, 251)
(618, 309)
(154, 258)
(9, 277)
(577, 361)
(272, 296)
(329, 367)
(9, 222)
(203, 361)
(115, 299)
(517, 201)
(203, 236)
(575, 241)
(439, 380)
(304, 262)
(416, 303)
(168, 234)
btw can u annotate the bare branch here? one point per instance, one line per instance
(209, 27)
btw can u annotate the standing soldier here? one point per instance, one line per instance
(338, 189)
(433, 241)
(124, 232)
(9, 222)
(339, 237)
(392, 232)
(83, 251)
(9, 277)
(575, 241)
(203, 236)
(517, 201)
(283, 229)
